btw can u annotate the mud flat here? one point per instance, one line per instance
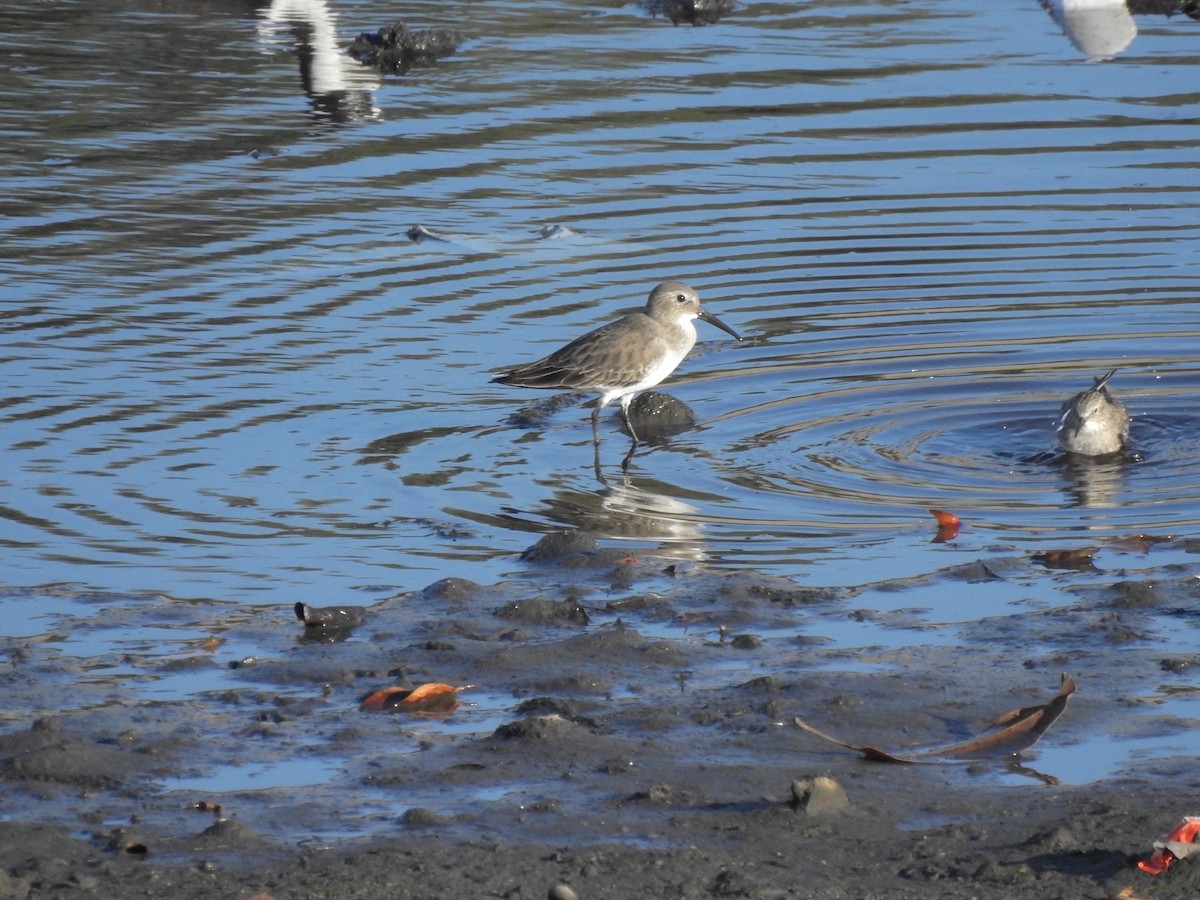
(630, 734)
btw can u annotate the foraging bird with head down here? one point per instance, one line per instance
(619, 360)
(1093, 422)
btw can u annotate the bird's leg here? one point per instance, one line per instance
(596, 424)
(625, 401)
(596, 439)
(629, 457)
(596, 465)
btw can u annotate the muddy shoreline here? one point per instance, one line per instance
(630, 735)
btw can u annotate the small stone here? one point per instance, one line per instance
(561, 892)
(420, 817)
(538, 728)
(819, 795)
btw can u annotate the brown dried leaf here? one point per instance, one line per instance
(1141, 543)
(1079, 560)
(1013, 732)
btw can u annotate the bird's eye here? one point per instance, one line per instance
(682, 298)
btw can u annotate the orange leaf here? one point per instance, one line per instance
(433, 697)
(945, 519)
(947, 526)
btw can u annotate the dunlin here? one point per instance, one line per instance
(622, 358)
(1092, 422)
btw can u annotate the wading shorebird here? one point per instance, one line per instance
(619, 360)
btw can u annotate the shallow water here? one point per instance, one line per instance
(233, 379)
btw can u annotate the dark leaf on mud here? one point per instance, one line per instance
(1079, 560)
(1013, 732)
(430, 699)
(947, 526)
(329, 616)
(137, 849)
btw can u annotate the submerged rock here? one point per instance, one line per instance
(656, 415)
(331, 617)
(397, 49)
(696, 12)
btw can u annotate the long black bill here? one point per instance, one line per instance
(713, 320)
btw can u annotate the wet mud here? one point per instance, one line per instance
(629, 733)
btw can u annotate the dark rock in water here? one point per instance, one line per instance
(419, 233)
(554, 232)
(397, 49)
(557, 544)
(697, 12)
(656, 415)
(573, 550)
(330, 616)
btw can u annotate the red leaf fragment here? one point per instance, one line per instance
(1179, 844)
